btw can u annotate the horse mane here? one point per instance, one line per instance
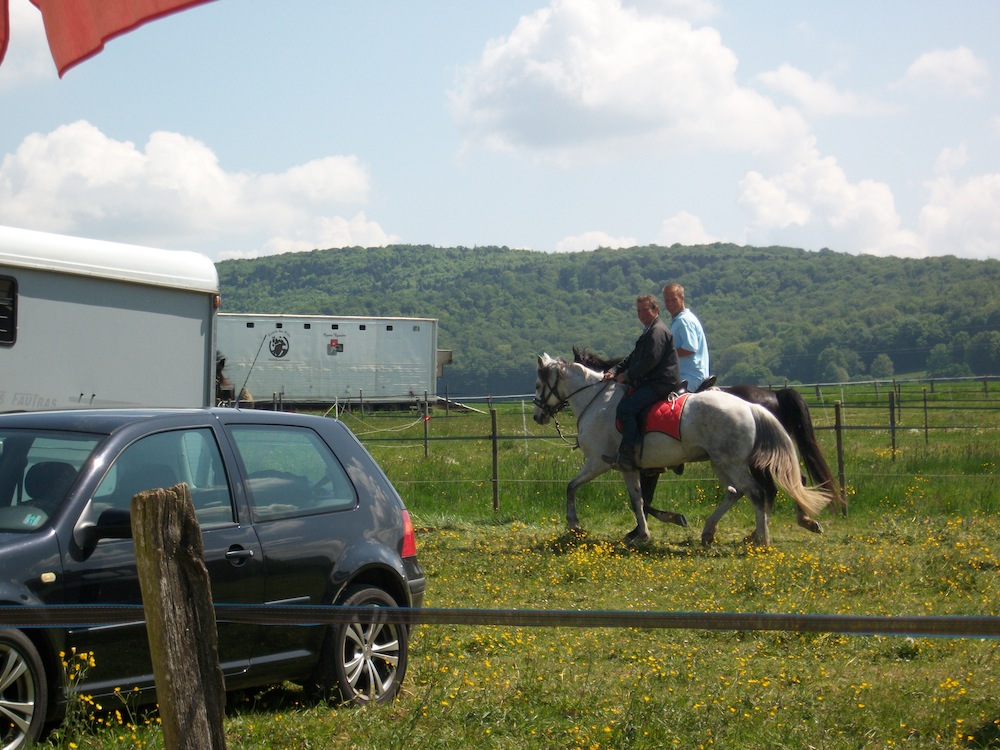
(594, 361)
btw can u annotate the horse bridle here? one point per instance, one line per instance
(549, 392)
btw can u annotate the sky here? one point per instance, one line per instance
(244, 128)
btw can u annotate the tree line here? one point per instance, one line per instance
(770, 313)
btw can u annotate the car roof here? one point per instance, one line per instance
(107, 421)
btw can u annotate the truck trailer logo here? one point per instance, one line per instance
(278, 345)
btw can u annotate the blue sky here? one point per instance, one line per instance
(244, 128)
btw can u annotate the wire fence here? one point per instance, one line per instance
(914, 410)
(904, 413)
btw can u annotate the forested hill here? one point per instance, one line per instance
(770, 313)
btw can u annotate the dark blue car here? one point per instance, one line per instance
(292, 509)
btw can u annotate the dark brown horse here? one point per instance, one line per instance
(786, 404)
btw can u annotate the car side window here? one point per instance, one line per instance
(290, 471)
(167, 458)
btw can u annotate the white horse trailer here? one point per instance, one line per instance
(88, 323)
(322, 359)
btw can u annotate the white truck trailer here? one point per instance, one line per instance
(91, 323)
(322, 359)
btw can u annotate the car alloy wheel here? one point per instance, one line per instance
(23, 691)
(365, 659)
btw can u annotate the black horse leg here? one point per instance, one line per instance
(647, 483)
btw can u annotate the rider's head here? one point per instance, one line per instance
(646, 308)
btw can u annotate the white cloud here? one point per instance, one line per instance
(956, 72)
(958, 218)
(963, 218)
(174, 193)
(592, 241)
(951, 159)
(685, 228)
(322, 233)
(814, 191)
(28, 59)
(609, 80)
(818, 98)
(595, 79)
(692, 10)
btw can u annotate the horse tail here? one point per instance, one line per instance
(774, 457)
(793, 413)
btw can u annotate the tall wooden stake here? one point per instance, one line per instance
(180, 619)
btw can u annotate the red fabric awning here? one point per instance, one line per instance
(78, 29)
(4, 28)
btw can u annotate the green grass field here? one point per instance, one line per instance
(922, 538)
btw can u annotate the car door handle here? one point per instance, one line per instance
(239, 555)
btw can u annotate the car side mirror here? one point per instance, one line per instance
(114, 524)
(111, 524)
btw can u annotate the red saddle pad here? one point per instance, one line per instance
(663, 416)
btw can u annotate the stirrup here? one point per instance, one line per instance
(622, 462)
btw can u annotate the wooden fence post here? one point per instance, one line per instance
(927, 434)
(839, 427)
(427, 424)
(496, 459)
(892, 421)
(180, 619)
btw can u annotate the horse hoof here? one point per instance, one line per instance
(707, 540)
(682, 520)
(634, 538)
(811, 525)
(755, 541)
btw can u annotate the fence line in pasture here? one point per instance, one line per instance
(940, 626)
(954, 411)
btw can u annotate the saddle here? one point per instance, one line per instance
(663, 416)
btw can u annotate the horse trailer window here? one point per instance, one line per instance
(8, 310)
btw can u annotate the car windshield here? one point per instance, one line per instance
(37, 469)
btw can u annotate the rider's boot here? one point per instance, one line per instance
(625, 460)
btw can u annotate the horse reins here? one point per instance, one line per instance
(552, 411)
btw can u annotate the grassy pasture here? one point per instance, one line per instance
(922, 538)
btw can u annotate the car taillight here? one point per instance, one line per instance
(409, 537)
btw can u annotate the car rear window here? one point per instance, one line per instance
(290, 471)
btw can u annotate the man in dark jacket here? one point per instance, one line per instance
(651, 374)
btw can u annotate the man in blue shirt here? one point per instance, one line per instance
(689, 338)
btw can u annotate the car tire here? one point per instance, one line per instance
(24, 691)
(364, 661)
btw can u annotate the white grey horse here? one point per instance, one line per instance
(748, 448)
